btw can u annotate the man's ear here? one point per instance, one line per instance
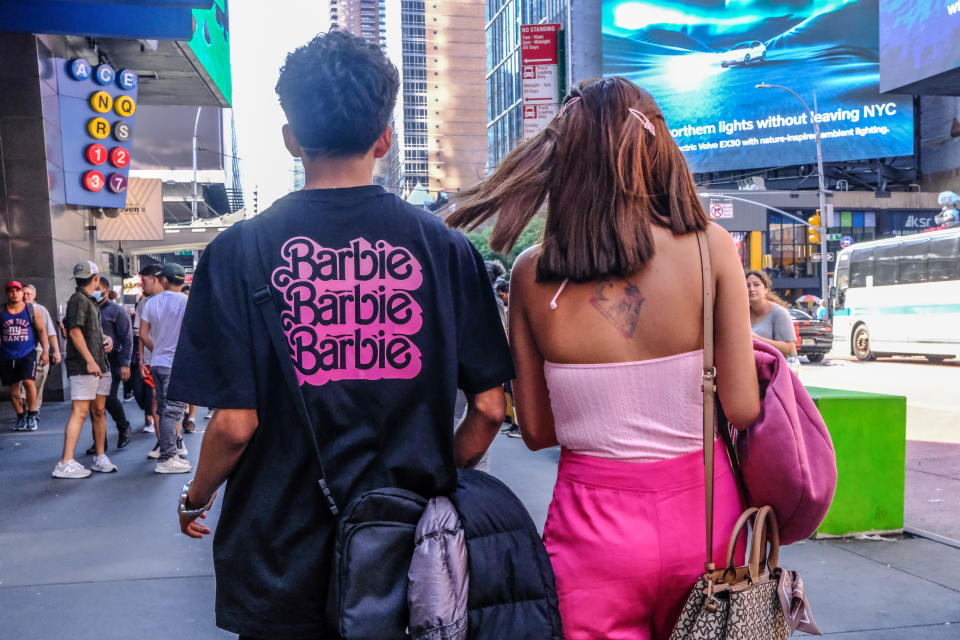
(383, 143)
(290, 142)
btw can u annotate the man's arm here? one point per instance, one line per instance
(145, 338)
(125, 338)
(41, 330)
(226, 439)
(482, 420)
(76, 335)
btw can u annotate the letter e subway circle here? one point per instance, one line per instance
(127, 79)
(98, 128)
(124, 106)
(121, 131)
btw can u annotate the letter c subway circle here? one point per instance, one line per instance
(79, 69)
(93, 181)
(121, 131)
(101, 102)
(96, 153)
(127, 79)
(98, 128)
(124, 106)
(104, 74)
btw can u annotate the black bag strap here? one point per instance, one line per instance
(263, 299)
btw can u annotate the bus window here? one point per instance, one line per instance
(885, 271)
(944, 259)
(843, 279)
(861, 267)
(913, 261)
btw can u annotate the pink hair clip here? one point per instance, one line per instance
(645, 120)
(570, 102)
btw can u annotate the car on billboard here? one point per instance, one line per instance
(814, 337)
(743, 54)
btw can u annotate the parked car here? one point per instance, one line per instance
(744, 53)
(814, 337)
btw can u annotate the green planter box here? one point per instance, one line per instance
(869, 434)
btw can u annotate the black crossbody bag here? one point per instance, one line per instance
(367, 599)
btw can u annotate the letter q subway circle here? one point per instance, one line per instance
(124, 106)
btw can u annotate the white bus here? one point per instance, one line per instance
(900, 296)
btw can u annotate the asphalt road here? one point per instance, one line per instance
(932, 390)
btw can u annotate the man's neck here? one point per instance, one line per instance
(15, 305)
(338, 173)
(174, 288)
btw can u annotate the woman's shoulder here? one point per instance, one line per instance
(525, 266)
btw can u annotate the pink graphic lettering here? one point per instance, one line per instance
(350, 313)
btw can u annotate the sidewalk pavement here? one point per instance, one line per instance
(103, 559)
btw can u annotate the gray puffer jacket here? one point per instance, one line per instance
(439, 579)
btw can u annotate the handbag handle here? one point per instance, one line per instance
(766, 521)
(709, 390)
(732, 546)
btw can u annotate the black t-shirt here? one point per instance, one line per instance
(388, 312)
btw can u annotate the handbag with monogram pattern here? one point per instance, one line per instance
(759, 601)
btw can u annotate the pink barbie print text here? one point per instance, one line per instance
(350, 313)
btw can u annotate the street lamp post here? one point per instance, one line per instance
(824, 284)
(193, 203)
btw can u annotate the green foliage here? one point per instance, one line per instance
(529, 237)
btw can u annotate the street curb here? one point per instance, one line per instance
(920, 533)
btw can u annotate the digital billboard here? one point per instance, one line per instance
(918, 40)
(703, 59)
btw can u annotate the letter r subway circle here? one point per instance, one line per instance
(98, 128)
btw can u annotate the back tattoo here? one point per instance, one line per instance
(619, 301)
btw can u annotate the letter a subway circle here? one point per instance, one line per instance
(79, 69)
(98, 128)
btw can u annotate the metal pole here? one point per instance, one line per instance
(824, 263)
(193, 204)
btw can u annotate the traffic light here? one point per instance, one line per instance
(813, 235)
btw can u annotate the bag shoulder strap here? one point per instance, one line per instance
(263, 299)
(709, 390)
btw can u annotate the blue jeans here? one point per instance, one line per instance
(170, 413)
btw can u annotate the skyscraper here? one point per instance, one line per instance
(504, 17)
(364, 18)
(440, 137)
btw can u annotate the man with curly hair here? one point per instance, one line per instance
(386, 313)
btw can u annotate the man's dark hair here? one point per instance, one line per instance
(186, 289)
(502, 285)
(495, 269)
(104, 282)
(83, 282)
(152, 270)
(338, 93)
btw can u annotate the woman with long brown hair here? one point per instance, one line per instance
(770, 321)
(607, 333)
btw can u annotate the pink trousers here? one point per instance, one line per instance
(627, 543)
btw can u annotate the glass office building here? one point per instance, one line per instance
(504, 116)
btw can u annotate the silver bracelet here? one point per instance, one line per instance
(192, 513)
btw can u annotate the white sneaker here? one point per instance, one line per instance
(155, 452)
(181, 449)
(103, 464)
(176, 464)
(148, 427)
(72, 469)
